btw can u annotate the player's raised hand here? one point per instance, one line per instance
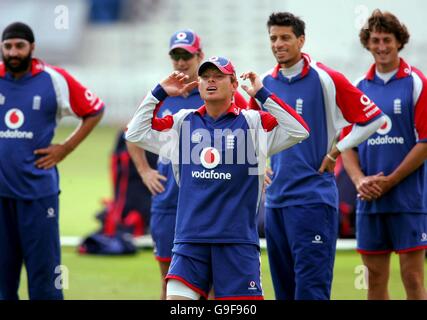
(52, 155)
(176, 84)
(256, 83)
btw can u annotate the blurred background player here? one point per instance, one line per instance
(34, 96)
(388, 169)
(129, 210)
(185, 52)
(301, 222)
(216, 231)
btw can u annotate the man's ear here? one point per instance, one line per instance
(301, 41)
(235, 84)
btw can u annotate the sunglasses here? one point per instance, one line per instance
(182, 55)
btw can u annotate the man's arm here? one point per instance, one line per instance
(283, 125)
(290, 127)
(372, 187)
(413, 160)
(357, 135)
(151, 177)
(55, 153)
(348, 105)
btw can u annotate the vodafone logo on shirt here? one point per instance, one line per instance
(14, 118)
(386, 127)
(383, 137)
(210, 158)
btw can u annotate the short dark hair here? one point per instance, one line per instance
(384, 22)
(287, 19)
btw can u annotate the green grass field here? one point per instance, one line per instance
(85, 181)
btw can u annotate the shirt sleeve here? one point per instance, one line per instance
(358, 134)
(345, 131)
(420, 101)
(254, 105)
(74, 98)
(356, 107)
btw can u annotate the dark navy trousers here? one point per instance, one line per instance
(29, 236)
(301, 245)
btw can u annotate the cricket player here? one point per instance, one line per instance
(388, 168)
(34, 96)
(217, 153)
(186, 54)
(301, 220)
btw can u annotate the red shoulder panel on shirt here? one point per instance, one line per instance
(160, 124)
(82, 100)
(420, 116)
(253, 104)
(355, 106)
(269, 122)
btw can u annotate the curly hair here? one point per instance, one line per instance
(384, 22)
(287, 19)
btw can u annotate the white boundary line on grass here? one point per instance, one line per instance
(147, 242)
